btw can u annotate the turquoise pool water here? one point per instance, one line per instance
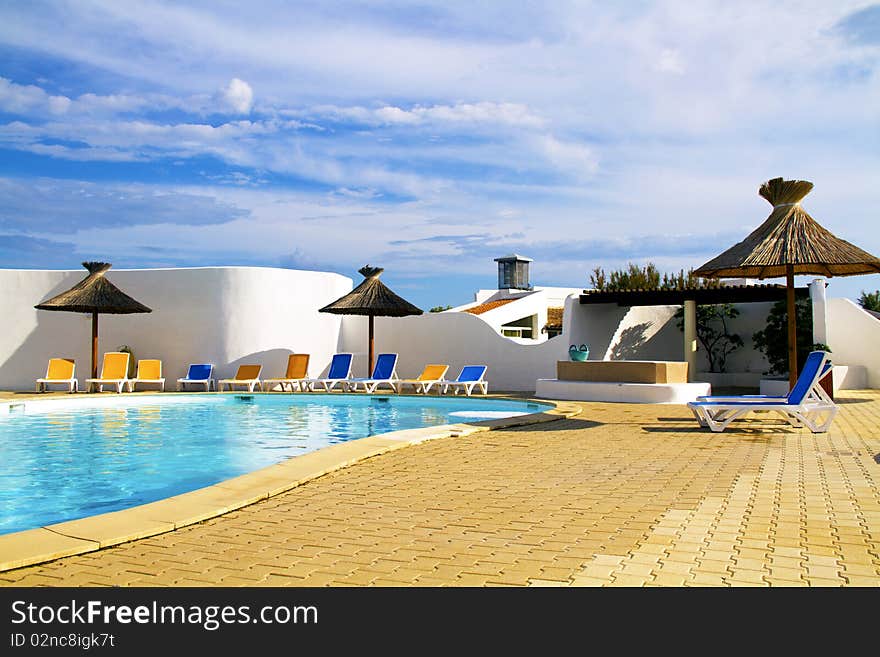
(67, 459)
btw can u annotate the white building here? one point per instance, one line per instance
(518, 310)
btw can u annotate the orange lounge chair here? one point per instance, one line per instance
(247, 375)
(432, 374)
(60, 372)
(297, 372)
(114, 371)
(148, 371)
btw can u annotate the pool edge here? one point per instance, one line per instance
(73, 537)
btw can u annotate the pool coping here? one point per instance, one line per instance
(72, 537)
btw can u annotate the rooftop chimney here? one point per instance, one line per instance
(513, 272)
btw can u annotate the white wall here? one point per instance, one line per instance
(525, 304)
(233, 315)
(854, 337)
(224, 315)
(650, 333)
(456, 339)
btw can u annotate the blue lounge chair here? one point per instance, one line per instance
(340, 372)
(470, 377)
(198, 374)
(384, 372)
(806, 405)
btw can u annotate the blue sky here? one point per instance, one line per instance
(430, 137)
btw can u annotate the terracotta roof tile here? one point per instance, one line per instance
(487, 306)
(554, 318)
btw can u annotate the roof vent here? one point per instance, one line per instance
(513, 272)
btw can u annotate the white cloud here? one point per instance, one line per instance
(485, 113)
(578, 160)
(670, 62)
(239, 96)
(24, 99)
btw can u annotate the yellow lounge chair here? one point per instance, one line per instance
(297, 372)
(432, 374)
(247, 375)
(148, 371)
(114, 371)
(60, 371)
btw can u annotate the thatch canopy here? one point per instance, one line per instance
(789, 236)
(371, 297)
(94, 294)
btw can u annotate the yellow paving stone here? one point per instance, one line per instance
(747, 582)
(597, 570)
(867, 570)
(860, 580)
(590, 581)
(548, 583)
(786, 551)
(669, 579)
(779, 572)
(676, 555)
(627, 579)
(643, 558)
(706, 579)
(630, 568)
(823, 572)
(748, 564)
(819, 550)
(676, 567)
(820, 560)
(825, 582)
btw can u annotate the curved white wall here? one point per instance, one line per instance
(456, 339)
(224, 315)
(854, 337)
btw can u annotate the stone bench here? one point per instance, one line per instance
(623, 371)
(634, 381)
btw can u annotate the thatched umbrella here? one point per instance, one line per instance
(789, 242)
(94, 294)
(374, 299)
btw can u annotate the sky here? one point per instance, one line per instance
(429, 138)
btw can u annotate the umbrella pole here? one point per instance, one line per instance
(370, 371)
(792, 326)
(94, 345)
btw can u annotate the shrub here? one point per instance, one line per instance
(870, 300)
(773, 339)
(714, 334)
(648, 277)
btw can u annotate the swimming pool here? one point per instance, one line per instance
(67, 459)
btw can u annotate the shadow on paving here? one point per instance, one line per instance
(558, 424)
(753, 428)
(562, 424)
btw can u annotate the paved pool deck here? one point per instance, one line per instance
(617, 495)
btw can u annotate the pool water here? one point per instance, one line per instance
(63, 460)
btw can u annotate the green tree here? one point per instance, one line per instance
(712, 320)
(647, 277)
(772, 340)
(439, 309)
(714, 334)
(870, 300)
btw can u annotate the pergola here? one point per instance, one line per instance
(690, 299)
